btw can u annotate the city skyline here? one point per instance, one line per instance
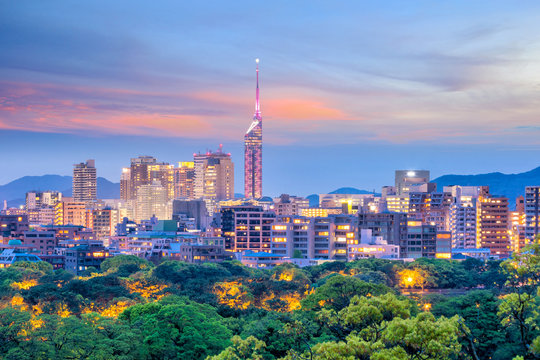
(425, 86)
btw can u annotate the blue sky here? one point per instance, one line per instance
(350, 91)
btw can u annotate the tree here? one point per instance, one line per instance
(337, 292)
(249, 349)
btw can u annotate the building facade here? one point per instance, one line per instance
(85, 182)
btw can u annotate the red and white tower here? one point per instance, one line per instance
(253, 151)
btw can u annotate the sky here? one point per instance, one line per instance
(350, 91)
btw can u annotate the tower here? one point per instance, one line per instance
(84, 182)
(253, 151)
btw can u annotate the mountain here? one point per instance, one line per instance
(15, 191)
(509, 185)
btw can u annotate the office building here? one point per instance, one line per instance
(492, 225)
(125, 184)
(145, 170)
(214, 176)
(37, 199)
(152, 200)
(85, 182)
(409, 180)
(290, 205)
(71, 212)
(532, 212)
(246, 227)
(253, 151)
(184, 177)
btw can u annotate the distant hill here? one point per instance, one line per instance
(15, 191)
(509, 185)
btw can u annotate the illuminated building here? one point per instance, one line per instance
(492, 225)
(184, 177)
(85, 182)
(192, 209)
(314, 237)
(43, 241)
(37, 199)
(408, 180)
(532, 212)
(421, 241)
(13, 226)
(214, 176)
(349, 203)
(253, 151)
(463, 214)
(145, 170)
(84, 256)
(70, 212)
(320, 212)
(104, 222)
(125, 184)
(152, 200)
(41, 216)
(397, 204)
(290, 205)
(392, 227)
(371, 247)
(431, 208)
(246, 227)
(517, 229)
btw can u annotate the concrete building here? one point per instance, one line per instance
(492, 225)
(290, 205)
(246, 227)
(125, 184)
(152, 199)
(431, 208)
(84, 256)
(145, 170)
(392, 227)
(463, 214)
(421, 241)
(184, 178)
(214, 176)
(406, 179)
(71, 212)
(532, 212)
(371, 246)
(314, 237)
(43, 241)
(38, 199)
(104, 222)
(349, 203)
(85, 182)
(192, 209)
(13, 226)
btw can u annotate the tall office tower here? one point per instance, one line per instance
(411, 181)
(214, 176)
(463, 214)
(145, 170)
(532, 212)
(518, 225)
(492, 225)
(152, 200)
(38, 199)
(85, 182)
(125, 184)
(253, 151)
(184, 177)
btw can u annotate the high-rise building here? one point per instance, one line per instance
(253, 151)
(85, 182)
(184, 177)
(463, 214)
(214, 176)
(71, 212)
(145, 170)
(246, 227)
(290, 205)
(125, 184)
(492, 225)
(152, 200)
(37, 199)
(532, 212)
(409, 181)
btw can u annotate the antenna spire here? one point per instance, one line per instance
(257, 103)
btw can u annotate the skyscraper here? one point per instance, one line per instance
(214, 176)
(253, 151)
(85, 182)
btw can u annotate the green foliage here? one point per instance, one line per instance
(249, 349)
(337, 292)
(125, 265)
